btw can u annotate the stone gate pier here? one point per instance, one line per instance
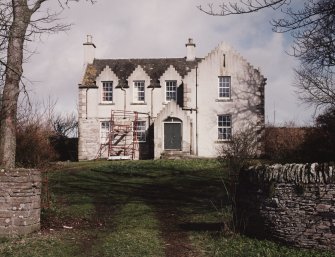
(20, 201)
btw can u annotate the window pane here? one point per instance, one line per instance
(140, 129)
(224, 86)
(104, 132)
(107, 91)
(171, 90)
(139, 91)
(224, 127)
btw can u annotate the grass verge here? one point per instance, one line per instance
(221, 245)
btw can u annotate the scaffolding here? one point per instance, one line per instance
(122, 142)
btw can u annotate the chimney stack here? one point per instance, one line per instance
(89, 51)
(190, 47)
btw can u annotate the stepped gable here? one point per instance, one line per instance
(230, 50)
(124, 67)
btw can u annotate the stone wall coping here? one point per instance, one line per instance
(310, 173)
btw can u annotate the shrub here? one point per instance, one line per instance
(284, 143)
(244, 145)
(33, 147)
(43, 136)
(302, 144)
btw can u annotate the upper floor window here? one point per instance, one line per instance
(224, 87)
(107, 91)
(140, 129)
(171, 90)
(224, 127)
(104, 132)
(139, 95)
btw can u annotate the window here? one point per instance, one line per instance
(107, 91)
(224, 127)
(140, 129)
(171, 90)
(224, 86)
(139, 95)
(104, 132)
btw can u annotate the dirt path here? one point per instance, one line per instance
(177, 243)
(165, 201)
(167, 197)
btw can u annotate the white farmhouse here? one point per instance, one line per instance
(148, 108)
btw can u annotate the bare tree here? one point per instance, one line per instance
(65, 126)
(311, 23)
(316, 86)
(20, 22)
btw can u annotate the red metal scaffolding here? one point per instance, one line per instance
(122, 140)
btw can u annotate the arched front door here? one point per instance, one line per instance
(172, 134)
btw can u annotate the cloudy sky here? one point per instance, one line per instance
(160, 28)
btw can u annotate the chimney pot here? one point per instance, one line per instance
(89, 39)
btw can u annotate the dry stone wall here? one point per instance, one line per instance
(292, 203)
(20, 205)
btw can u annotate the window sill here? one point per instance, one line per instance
(167, 102)
(223, 100)
(107, 103)
(222, 141)
(138, 103)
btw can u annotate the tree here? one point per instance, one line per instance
(20, 21)
(65, 125)
(311, 23)
(320, 142)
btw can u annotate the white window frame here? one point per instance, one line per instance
(139, 91)
(224, 124)
(107, 94)
(168, 91)
(104, 131)
(224, 87)
(142, 129)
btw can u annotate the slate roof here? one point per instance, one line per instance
(123, 68)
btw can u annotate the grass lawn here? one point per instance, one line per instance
(139, 208)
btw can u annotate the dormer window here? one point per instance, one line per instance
(139, 93)
(171, 90)
(107, 91)
(224, 87)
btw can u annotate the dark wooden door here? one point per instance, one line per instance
(172, 136)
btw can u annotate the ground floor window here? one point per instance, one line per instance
(224, 127)
(104, 132)
(140, 129)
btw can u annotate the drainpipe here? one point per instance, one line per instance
(152, 102)
(196, 112)
(86, 103)
(191, 145)
(124, 104)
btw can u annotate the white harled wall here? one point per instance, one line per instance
(224, 61)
